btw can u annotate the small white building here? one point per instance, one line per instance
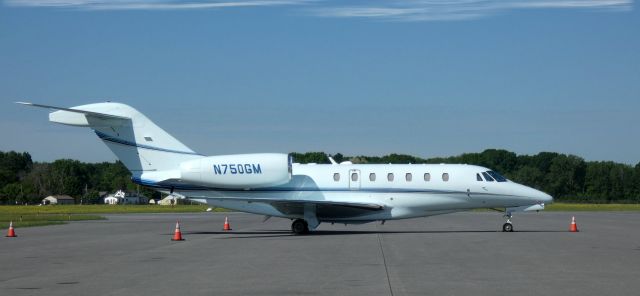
(124, 198)
(58, 200)
(169, 200)
(111, 200)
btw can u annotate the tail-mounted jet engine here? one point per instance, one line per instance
(238, 171)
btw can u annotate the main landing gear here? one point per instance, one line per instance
(299, 226)
(507, 227)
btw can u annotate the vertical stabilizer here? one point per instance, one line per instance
(138, 142)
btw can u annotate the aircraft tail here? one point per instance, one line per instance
(138, 142)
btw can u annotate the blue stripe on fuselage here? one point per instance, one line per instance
(188, 187)
(112, 139)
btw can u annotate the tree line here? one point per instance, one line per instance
(565, 177)
(24, 181)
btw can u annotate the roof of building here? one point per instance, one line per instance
(60, 196)
(127, 195)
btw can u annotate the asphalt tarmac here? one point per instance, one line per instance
(455, 254)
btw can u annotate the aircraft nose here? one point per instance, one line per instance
(543, 197)
(535, 195)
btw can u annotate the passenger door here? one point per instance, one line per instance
(480, 188)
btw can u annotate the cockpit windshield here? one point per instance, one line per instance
(487, 177)
(497, 176)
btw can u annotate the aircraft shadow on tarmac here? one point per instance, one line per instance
(285, 233)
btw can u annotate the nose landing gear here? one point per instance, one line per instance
(508, 226)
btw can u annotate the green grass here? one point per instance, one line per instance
(582, 207)
(29, 220)
(573, 207)
(26, 216)
(101, 209)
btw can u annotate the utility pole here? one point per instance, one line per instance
(85, 194)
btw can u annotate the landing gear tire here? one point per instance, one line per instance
(507, 227)
(299, 227)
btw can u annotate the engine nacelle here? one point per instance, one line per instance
(238, 171)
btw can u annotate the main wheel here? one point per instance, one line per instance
(299, 226)
(507, 227)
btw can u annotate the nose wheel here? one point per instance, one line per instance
(299, 226)
(508, 226)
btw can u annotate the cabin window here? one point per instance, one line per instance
(487, 177)
(336, 177)
(427, 177)
(372, 177)
(354, 177)
(390, 177)
(445, 177)
(148, 139)
(479, 178)
(408, 177)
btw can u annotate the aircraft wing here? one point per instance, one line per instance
(324, 209)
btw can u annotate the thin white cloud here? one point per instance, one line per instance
(148, 4)
(431, 10)
(399, 10)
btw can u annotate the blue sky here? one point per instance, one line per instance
(427, 78)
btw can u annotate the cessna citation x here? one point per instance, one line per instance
(271, 184)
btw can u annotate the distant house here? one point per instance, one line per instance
(170, 200)
(58, 200)
(111, 200)
(124, 198)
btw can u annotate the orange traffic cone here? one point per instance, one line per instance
(177, 236)
(574, 226)
(227, 227)
(11, 232)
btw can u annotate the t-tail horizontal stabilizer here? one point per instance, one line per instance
(85, 112)
(77, 116)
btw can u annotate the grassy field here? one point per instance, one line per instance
(26, 216)
(29, 220)
(573, 207)
(101, 209)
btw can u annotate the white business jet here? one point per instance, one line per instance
(271, 184)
